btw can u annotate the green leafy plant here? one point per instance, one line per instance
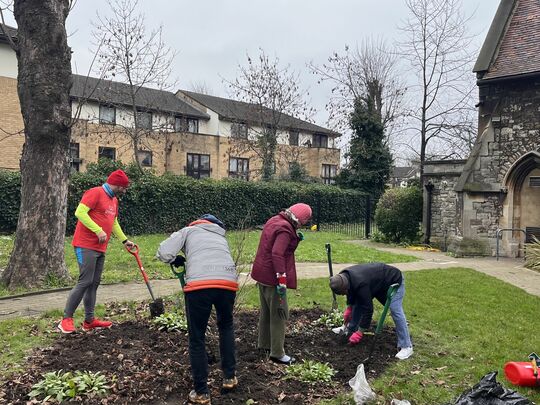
(533, 254)
(398, 214)
(59, 385)
(331, 319)
(171, 321)
(151, 203)
(311, 372)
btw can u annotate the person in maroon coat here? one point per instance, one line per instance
(274, 270)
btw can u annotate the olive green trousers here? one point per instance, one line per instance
(271, 323)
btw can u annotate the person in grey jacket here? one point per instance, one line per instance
(211, 280)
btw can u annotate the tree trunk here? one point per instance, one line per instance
(44, 81)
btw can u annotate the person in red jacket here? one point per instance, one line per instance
(97, 216)
(274, 270)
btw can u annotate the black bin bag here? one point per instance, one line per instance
(489, 392)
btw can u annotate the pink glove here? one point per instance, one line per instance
(347, 315)
(356, 337)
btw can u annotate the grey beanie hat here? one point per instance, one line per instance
(339, 283)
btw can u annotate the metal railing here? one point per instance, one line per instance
(499, 232)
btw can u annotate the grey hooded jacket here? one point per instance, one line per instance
(209, 263)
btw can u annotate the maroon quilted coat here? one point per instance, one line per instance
(276, 252)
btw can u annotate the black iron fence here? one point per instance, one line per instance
(359, 223)
(360, 230)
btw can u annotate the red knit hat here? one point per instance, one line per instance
(118, 178)
(302, 212)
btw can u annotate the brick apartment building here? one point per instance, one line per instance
(184, 133)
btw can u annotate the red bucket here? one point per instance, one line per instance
(521, 373)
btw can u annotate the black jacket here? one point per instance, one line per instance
(368, 281)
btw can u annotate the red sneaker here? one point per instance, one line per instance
(66, 325)
(96, 323)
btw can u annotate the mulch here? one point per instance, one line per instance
(152, 367)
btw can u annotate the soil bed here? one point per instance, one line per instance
(153, 367)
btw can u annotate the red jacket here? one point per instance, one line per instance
(276, 252)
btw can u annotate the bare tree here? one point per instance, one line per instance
(200, 87)
(438, 48)
(128, 53)
(44, 81)
(367, 71)
(275, 96)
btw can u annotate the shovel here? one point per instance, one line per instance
(329, 256)
(389, 295)
(156, 307)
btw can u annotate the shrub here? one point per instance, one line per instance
(10, 199)
(163, 204)
(311, 372)
(59, 386)
(398, 214)
(533, 254)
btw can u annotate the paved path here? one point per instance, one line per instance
(508, 270)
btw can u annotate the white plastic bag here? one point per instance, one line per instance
(362, 390)
(341, 330)
(400, 402)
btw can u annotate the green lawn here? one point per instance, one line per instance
(121, 266)
(464, 324)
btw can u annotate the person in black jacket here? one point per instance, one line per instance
(362, 283)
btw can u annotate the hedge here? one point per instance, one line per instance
(162, 204)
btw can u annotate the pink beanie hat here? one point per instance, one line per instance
(302, 212)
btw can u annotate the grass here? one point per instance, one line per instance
(464, 324)
(121, 266)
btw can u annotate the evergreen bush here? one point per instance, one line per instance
(399, 213)
(163, 204)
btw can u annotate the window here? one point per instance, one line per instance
(239, 168)
(198, 166)
(144, 119)
(293, 138)
(193, 125)
(328, 173)
(179, 124)
(145, 158)
(239, 130)
(74, 160)
(107, 114)
(107, 153)
(320, 141)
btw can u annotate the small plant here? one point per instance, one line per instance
(331, 319)
(171, 321)
(59, 385)
(311, 372)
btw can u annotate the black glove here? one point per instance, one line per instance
(179, 261)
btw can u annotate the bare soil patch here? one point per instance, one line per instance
(153, 367)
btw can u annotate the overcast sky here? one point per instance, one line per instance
(212, 37)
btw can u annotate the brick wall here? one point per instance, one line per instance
(11, 125)
(169, 150)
